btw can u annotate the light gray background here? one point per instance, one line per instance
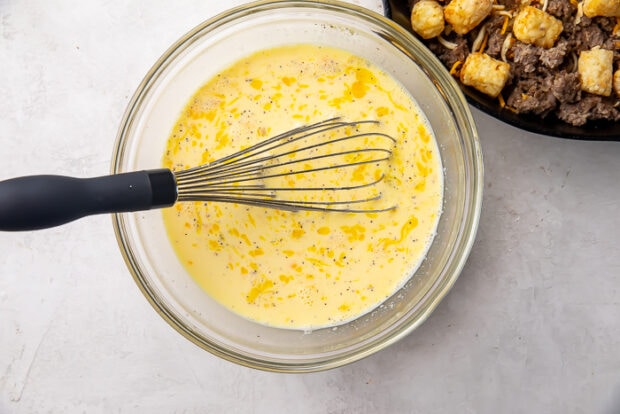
(531, 326)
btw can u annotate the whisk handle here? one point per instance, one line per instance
(43, 201)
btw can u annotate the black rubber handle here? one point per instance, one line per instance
(43, 201)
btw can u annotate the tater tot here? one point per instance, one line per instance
(482, 72)
(608, 8)
(595, 69)
(534, 26)
(427, 19)
(464, 15)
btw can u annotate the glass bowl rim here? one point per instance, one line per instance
(472, 209)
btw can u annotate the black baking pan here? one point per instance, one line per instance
(398, 10)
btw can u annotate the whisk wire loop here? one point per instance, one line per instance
(240, 177)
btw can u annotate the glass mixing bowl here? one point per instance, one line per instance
(213, 46)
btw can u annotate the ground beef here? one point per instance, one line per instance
(495, 40)
(494, 44)
(561, 9)
(553, 57)
(576, 113)
(606, 23)
(589, 36)
(566, 87)
(450, 56)
(511, 4)
(531, 96)
(605, 109)
(526, 59)
(590, 107)
(544, 81)
(494, 23)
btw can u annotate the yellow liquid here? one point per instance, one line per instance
(304, 270)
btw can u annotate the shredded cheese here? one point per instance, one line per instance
(579, 13)
(505, 25)
(447, 44)
(478, 42)
(505, 46)
(484, 42)
(454, 69)
(502, 103)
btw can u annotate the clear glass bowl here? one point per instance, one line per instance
(216, 44)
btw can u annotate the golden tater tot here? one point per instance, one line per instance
(427, 19)
(595, 69)
(485, 74)
(464, 15)
(608, 8)
(534, 26)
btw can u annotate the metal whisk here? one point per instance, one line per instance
(42, 201)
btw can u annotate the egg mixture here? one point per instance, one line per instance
(305, 270)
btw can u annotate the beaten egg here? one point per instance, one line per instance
(309, 269)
